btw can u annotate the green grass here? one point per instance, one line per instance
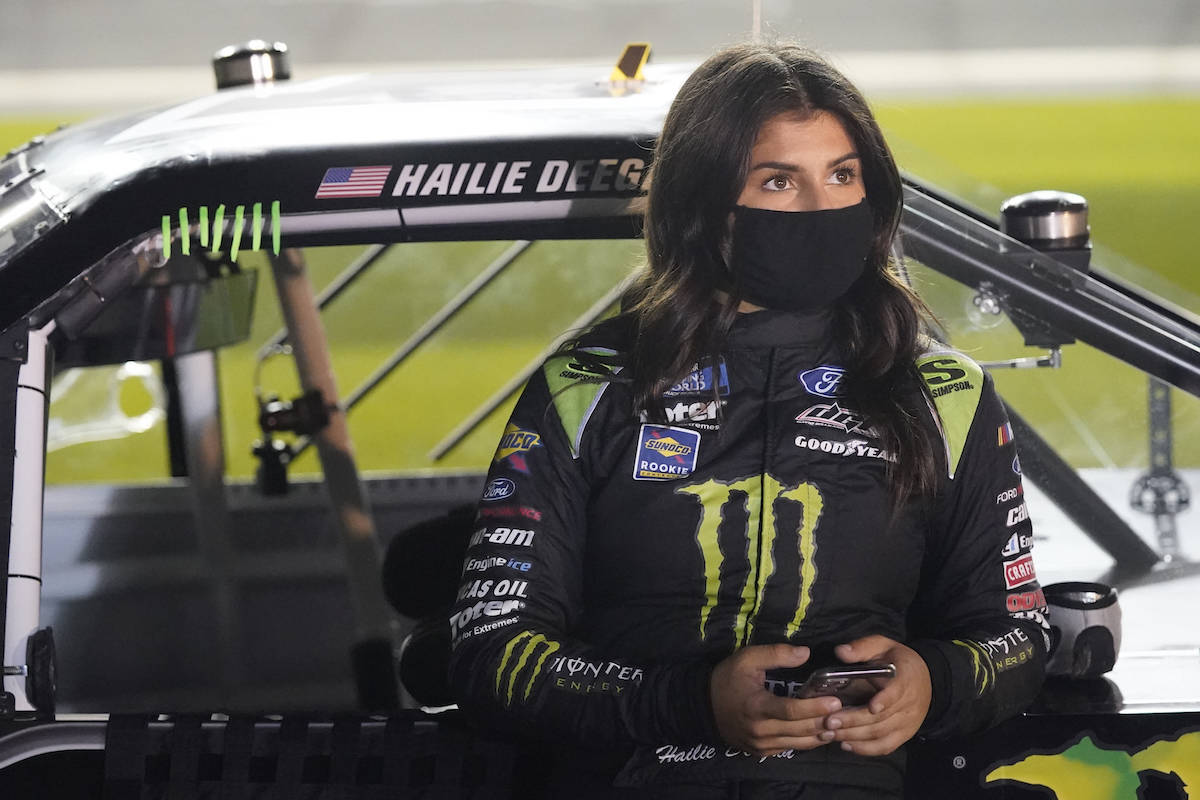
(1137, 160)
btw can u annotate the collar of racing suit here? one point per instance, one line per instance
(771, 328)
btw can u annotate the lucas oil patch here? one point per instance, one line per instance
(665, 453)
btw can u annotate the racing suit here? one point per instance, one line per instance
(616, 561)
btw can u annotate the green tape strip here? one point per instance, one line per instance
(204, 226)
(257, 229)
(218, 227)
(166, 235)
(238, 220)
(185, 233)
(275, 227)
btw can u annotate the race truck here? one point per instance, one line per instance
(185, 631)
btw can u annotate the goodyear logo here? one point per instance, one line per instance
(665, 453)
(514, 445)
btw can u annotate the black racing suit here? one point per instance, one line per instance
(617, 561)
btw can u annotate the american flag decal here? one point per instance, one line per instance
(353, 182)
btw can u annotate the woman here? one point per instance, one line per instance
(757, 466)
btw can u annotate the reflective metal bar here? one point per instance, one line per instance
(349, 275)
(971, 252)
(463, 429)
(373, 618)
(431, 326)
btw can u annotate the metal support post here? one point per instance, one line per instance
(1161, 491)
(374, 671)
(24, 597)
(204, 451)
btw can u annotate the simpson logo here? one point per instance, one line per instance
(665, 453)
(961, 386)
(514, 444)
(1019, 572)
(498, 489)
(700, 381)
(831, 415)
(824, 381)
(1018, 514)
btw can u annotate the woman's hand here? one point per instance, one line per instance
(894, 714)
(753, 719)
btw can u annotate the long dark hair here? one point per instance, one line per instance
(684, 303)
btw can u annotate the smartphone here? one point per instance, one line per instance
(853, 684)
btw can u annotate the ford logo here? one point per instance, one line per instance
(824, 381)
(499, 489)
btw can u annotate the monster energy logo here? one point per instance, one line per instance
(982, 669)
(531, 643)
(719, 501)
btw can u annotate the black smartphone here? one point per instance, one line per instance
(853, 684)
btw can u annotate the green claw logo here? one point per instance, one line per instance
(218, 229)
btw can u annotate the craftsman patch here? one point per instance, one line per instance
(665, 453)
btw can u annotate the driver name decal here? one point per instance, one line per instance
(553, 176)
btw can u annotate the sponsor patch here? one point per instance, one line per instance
(854, 447)
(665, 453)
(700, 414)
(482, 564)
(489, 608)
(824, 381)
(514, 445)
(960, 386)
(941, 371)
(498, 489)
(586, 677)
(1018, 514)
(832, 415)
(494, 589)
(1019, 572)
(1016, 465)
(1009, 494)
(512, 511)
(1004, 434)
(1026, 601)
(1015, 544)
(700, 381)
(517, 537)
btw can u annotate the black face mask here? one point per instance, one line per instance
(799, 260)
